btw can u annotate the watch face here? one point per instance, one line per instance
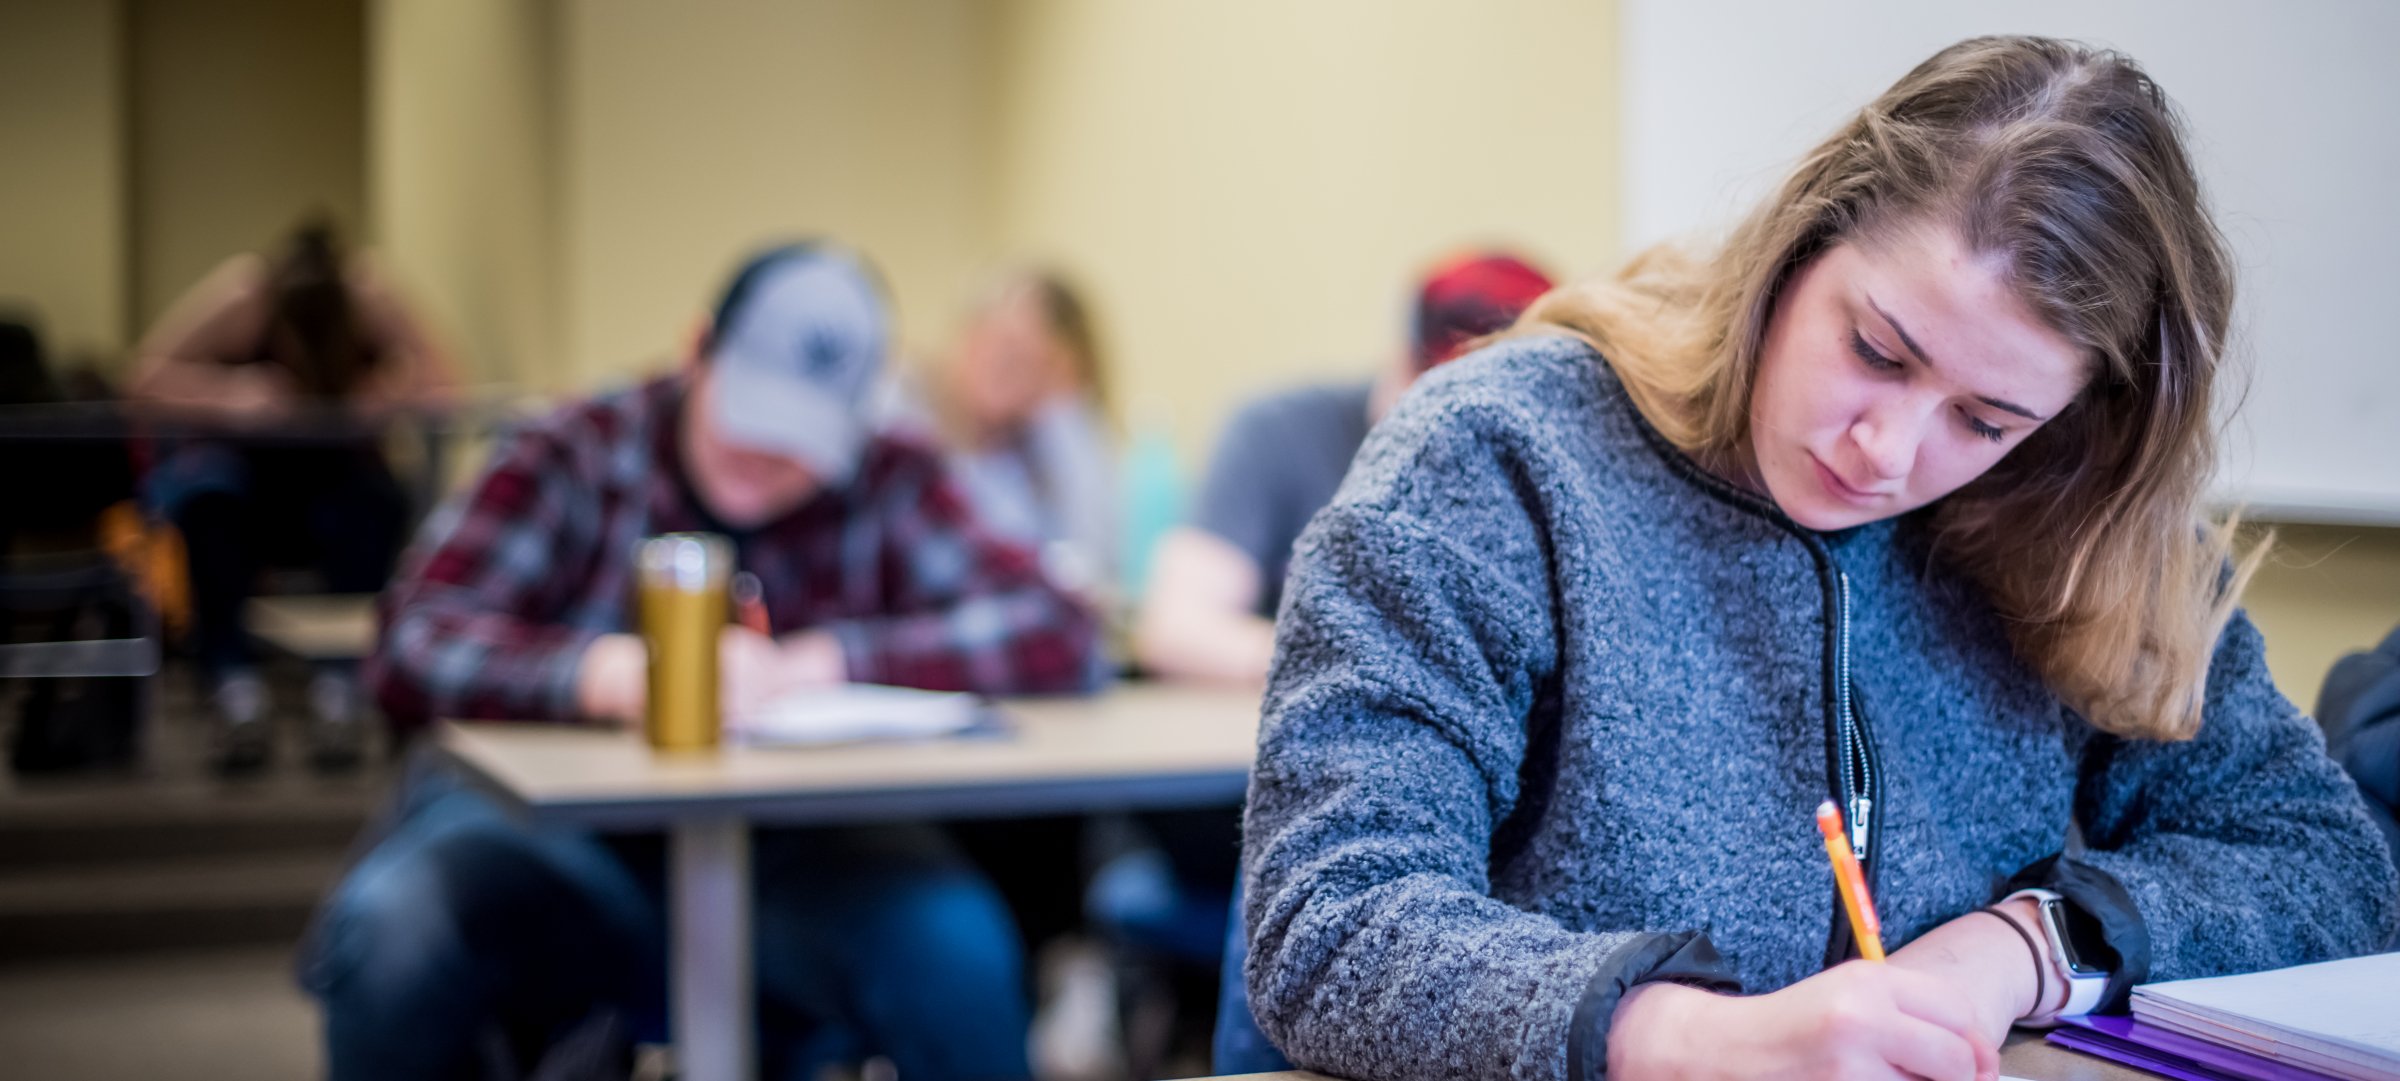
(2078, 937)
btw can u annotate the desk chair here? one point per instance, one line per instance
(58, 728)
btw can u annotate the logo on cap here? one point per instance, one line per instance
(799, 342)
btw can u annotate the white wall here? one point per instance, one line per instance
(2292, 106)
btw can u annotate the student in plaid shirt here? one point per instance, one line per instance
(464, 933)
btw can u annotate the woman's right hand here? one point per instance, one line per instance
(1858, 1020)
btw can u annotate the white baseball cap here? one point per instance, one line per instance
(798, 342)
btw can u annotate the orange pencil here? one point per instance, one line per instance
(1853, 882)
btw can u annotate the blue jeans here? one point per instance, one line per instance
(337, 508)
(1240, 1046)
(467, 940)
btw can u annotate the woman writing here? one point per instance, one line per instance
(1894, 499)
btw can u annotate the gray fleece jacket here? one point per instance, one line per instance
(1551, 711)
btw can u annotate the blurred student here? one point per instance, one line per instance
(2360, 709)
(309, 341)
(465, 929)
(1209, 611)
(1021, 401)
(1024, 400)
(1893, 500)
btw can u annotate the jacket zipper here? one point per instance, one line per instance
(1858, 752)
(1857, 777)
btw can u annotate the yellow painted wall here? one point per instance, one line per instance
(61, 190)
(245, 115)
(1244, 186)
(691, 132)
(461, 184)
(2324, 592)
(1247, 186)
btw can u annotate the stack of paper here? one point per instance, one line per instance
(860, 711)
(2338, 1019)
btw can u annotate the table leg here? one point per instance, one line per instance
(709, 965)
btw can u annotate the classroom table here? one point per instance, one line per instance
(2027, 1055)
(316, 627)
(1137, 747)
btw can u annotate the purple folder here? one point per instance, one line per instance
(2161, 1051)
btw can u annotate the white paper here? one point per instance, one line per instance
(2338, 1016)
(855, 712)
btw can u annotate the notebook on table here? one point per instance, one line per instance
(2170, 1054)
(2336, 1019)
(859, 712)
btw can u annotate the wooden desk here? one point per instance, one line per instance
(316, 627)
(2024, 1056)
(1140, 746)
(2028, 1055)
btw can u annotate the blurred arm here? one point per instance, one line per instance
(1197, 620)
(183, 361)
(963, 609)
(472, 622)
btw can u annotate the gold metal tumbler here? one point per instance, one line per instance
(681, 581)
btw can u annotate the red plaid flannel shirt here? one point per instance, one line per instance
(494, 604)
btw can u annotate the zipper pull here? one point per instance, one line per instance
(1860, 806)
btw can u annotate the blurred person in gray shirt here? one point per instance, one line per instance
(1208, 613)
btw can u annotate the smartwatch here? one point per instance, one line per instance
(2077, 954)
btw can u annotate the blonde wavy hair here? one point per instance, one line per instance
(2068, 164)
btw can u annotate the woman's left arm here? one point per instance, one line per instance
(2240, 849)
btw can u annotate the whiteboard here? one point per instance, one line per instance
(2294, 110)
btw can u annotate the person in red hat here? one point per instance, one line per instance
(1208, 613)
